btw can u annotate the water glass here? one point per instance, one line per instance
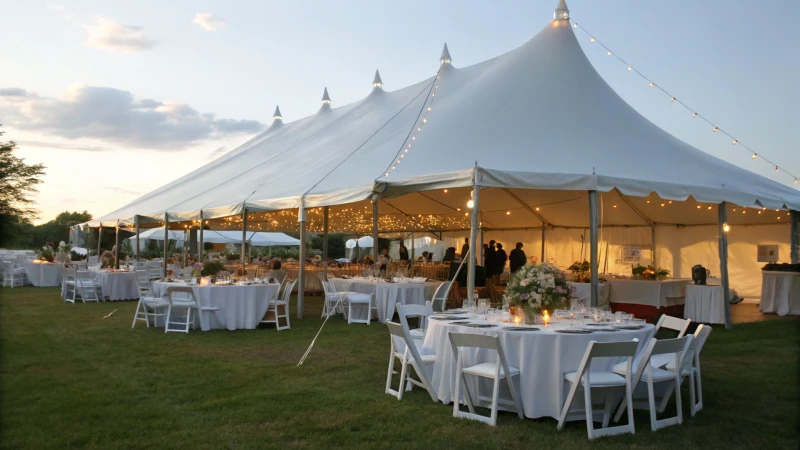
(483, 305)
(467, 304)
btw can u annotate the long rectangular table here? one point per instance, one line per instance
(780, 292)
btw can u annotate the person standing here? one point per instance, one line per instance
(489, 262)
(384, 259)
(517, 258)
(403, 252)
(465, 248)
(500, 263)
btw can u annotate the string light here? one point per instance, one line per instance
(673, 99)
(508, 213)
(614, 205)
(470, 204)
(726, 227)
(698, 206)
(591, 40)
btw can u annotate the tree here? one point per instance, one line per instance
(57, 230)
(18, 182)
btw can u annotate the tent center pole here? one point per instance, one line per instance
(473, 238)
(136, 219)
(301, 276)
(200, 240)
(593, 225)
(479, 250)
(325, 242)
(544, 232)
(723, 261)
(99, 241)
(794, 217)
(117, 247)
(244, 242)
(166, 244)
(376, 252)
(653, 244)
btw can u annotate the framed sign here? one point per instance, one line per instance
(767, 253)
(631, 253)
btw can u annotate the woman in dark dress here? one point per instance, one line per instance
(489, 260)
(500, 262)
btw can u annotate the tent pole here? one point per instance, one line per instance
(166, 242)
(99, 241)
(473, 238)
(185, 250)
(413, 256)
(136, 219)
(794, 217)
(653, 243)
(593, 247)
(375, 250)
(116, 245)
(325, 242)
(544, 231)
(244, 242)
(480, 247)
(301, 276)
(200, 238)
(723, 261)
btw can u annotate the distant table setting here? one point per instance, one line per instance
(704, 304)
(116, 284)
(655, 293)
(543, 353)
(406, 291)
(241, 306)
(42, 273)
(780, 292)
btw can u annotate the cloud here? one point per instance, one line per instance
(13, 92)
(119, 190)
(110, 35)
(209, 22)
(115, 116)
(60, 146)
(217, 153)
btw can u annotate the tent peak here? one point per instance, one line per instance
(277, 114)
(445, 58)
(561, 12)
(326, 99)
(376, 82)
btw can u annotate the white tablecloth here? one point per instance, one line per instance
(780, 293)
(387, 295)
(657, 294)
(704, 304)
(542, 357)
(43, 274)
(584, 292)
(240, 307)
(117, 285)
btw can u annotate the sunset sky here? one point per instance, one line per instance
(119, 98)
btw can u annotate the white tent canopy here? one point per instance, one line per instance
(363, 242)
(256, 239)
(538, 117)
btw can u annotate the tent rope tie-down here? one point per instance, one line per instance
(674, 99)
(342, 295)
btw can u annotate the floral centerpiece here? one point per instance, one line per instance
(538, 288)
(640, 272)
(212, 267)
(197, 269)
(107, 259)
(46, 253)
(581, 271)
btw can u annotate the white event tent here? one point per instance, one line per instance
(255, 239)
(537, 142)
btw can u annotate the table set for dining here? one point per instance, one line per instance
(406, 291)
(542, 353)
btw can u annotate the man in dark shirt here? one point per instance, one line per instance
(465, 248)
(500, 258)
(489, 260)
(517, 258)
(403, 252)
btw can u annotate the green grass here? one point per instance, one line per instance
(72, 378)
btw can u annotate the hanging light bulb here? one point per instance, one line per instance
(652, 84)
(508, 213)
(672, 99)
(694, 115)
(726, 227)
(630, 68)
(615, 206)
(591, 40)
(716, 129)
(470, 204)
(795, 181)
(735, 141)
(754, 155)
(776, 168)
(445, 191)
(609, 53)
(709, 206)
(698, 206)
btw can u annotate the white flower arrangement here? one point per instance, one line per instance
(538, 288)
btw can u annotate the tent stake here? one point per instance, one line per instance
(593, 247)
(723, 261)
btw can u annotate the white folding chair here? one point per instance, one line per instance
(13, 275)
(143, 283)
(690, 366)
(188, 302)
(608, 382)
(418, 311)
(86, 287)
(439, 301)
(332, 298)
(495, 371)
(67, 282)
(644, 371)
(408, 353)
(149, 305)
(673, 323)
(359, 301)
(154, 274)
(274, 315)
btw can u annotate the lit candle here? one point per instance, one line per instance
(546, 317)
(517, 319)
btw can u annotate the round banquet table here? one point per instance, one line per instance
(543, 357)
(43, 274)
(117, 285)
(240, 307)
(387, 295)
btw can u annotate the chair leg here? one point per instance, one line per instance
(169, 316)
(587, 398)
(391, 369)
(678, 398)
(495, 396)
(629, 402)
(457, 394)
(699, 405)
(608, 407)
(573, 387)
(403, 372)
(692, 394)
(652, 401)
(515, 397)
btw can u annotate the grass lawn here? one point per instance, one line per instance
(72, 378)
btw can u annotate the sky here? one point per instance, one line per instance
(119, 98)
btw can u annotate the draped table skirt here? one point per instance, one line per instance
(387, 295)
(704, 304)
(240, 307)
(780, 292)
(117, 285)
(43, 274)
(543, 357)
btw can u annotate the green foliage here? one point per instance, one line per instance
(649, 273)
(18, 182)
(212, 267)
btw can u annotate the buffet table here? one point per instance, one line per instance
(43, 273)
(387, 295)
(704, 304)
(241, 307)
(780, 292)
(542, 356)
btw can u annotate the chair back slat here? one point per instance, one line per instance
(612, 349)
(673, 323)
(474, 340)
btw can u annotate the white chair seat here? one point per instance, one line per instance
(417, 333)
(359, 298)
(599, 379)
(661, 360)
(488, 370)
(183, 303)
(658, 374)
(209, 308)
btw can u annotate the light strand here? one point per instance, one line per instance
(593, 39)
